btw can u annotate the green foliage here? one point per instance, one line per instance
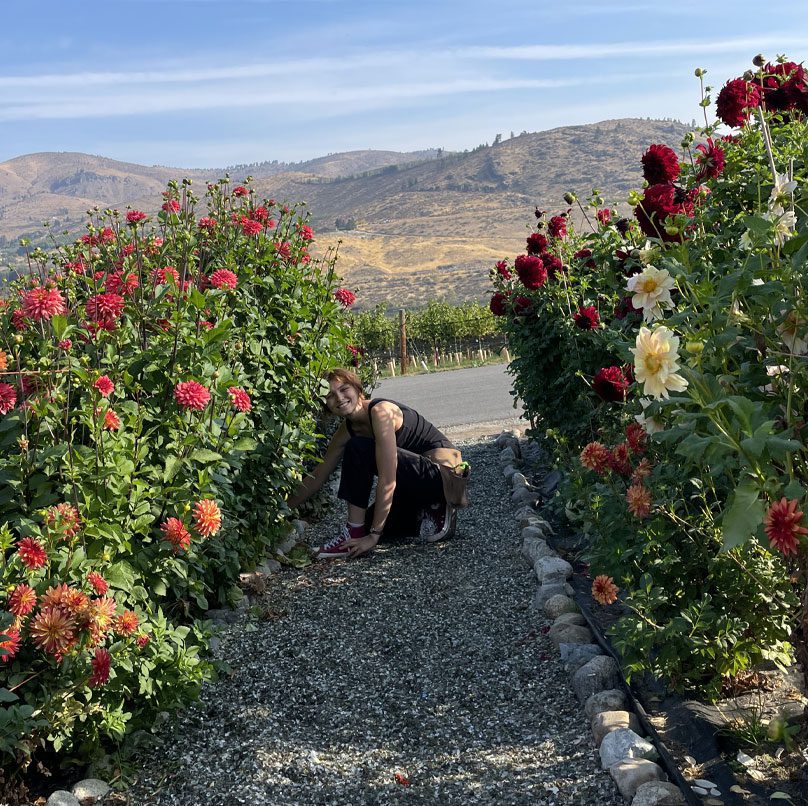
(116, 474)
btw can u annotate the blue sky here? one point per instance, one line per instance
(212, 83)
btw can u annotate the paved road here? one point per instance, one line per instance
(455, 398)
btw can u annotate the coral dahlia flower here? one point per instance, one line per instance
(22, 600)
(111, 421)
(32, 553)
(11, 645)
(345, 297)
(239, 398)
(174, 532)
(191, 395)
(638, 498)
(604, 590)
(43, 303)
(642, 471)
(100, 665)
(135, 217)
(306, 233)
(595, 456)
(531, 271)
(656, 357)
(126, 623)
(101, 613)
(3, 361)
(250, 227)
(118, 283)
(586, 318)
(98, 583)
(63, 518)
(652, 292)
(207, 517)
(223, 278)
(660, 164)
(52, 630)
(782, 525)
(104, 386)
(171, 206)
(611, 384)
(104, 309)
(8, 398)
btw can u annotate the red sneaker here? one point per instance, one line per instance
(336, 548)
(438, 522)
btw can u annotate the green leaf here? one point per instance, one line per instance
(205, 456)
(757, 224)
(743, 516)
(245, 444)
(59, 325)
(8, 696)
(120, 575)
(173, 464)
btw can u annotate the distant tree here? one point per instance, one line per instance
(497, 139)
(511, 137)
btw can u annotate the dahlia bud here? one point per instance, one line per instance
(759, 60)
(187, 507)
(215, 374)
(23, 443)
(688, 139)
(695, 347)
(748, 75)
(699, 72)
(634, 197)
(570, 197)
(18, 338)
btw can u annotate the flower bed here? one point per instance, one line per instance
(158, 379)
(664, 356)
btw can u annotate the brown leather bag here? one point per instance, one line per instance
(455, 481)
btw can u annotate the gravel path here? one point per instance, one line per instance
(415, 675)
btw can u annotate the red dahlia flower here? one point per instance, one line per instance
(239, 398)
(502, 269)
(604, 215)
(610, 384)
(43, 303)
(531, 271)
(174, 532)
(536, 243)
(782, 525)
(99, 584)
(522, 306)
(100, 665)
(171, 206)
(553, 265)
(118, 283)
(32, 554)
(11, 645)
(709, 161)
(557, 226)
(52, 630)
(240, 190)
(223, 278)
(306, 233)
(208, 224)
(191, 395)
(104, 386)
(736, 99)
(660, 164)
(637, 437)
(250, 227)
(497, 303)
(22, 600)
(659, 202)
(161, 276)
(604, 590)
(65, 344)
(586, 318)
(207, 518)
(8, 398)
(585, 255)
(345, 297)
(619, 460)
(135, 217)
(142, 640)
(104, 308)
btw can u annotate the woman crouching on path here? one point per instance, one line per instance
(392, 441)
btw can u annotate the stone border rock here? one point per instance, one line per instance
(596, 677)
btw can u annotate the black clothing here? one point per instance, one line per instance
(416, 433)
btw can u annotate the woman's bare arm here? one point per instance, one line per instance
(315, 480)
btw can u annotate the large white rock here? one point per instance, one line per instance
(61, 797)
(597, 675)
(607, 721)
(560, 603)
(569, 634)
(613, 699)
(90, 789)
(658, 793)
(631, 774)
(519, 480)
(552, 569)
(623, 744)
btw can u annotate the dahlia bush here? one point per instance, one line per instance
(158, 381)
(688, 319)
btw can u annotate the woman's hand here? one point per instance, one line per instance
(357, 546)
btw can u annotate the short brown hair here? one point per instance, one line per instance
(346, 376)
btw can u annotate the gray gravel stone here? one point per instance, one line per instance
(658, 793)
(508, 471)
(632, 773)
(623, 744)
(91, 788)
(421, 660)
(573, 656)
(224, 616)
(518, 480)
(544, 593)
(609, 700)
(599, 674)
(506, 455)
(570, 618)
(552, 569)
(570, 634)
(523, 495)
(62, 797)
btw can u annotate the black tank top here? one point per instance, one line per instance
(416, 433)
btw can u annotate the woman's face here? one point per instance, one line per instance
(342, 399)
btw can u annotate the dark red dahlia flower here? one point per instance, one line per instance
(659, 202)
(531, 271)
(735, 100)
(536, 243)
(522, 306)
(502, 269)
(553, 265)
(660, 164)
(586, 318)
(710, 161)
(557, 226)
(585, 255)
(497, 303)
(610, 384)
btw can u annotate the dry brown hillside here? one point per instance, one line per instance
(428, 223)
